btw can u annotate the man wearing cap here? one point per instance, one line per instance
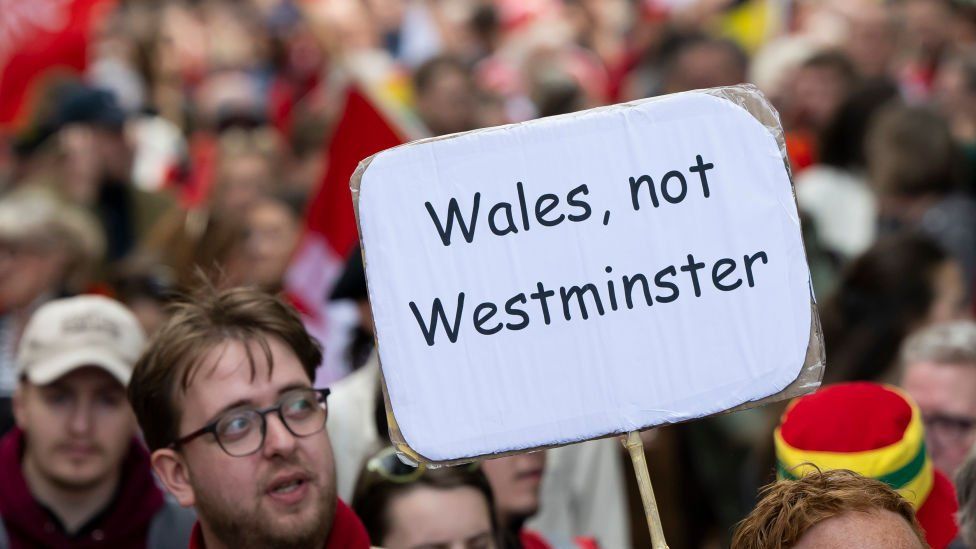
(73, 473)
(876, 431)
(97, 172)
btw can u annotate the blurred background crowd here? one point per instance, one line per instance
(146, 144)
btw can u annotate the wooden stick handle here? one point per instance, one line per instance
(635, 446)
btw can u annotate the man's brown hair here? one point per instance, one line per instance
(196, 325)
(789, 508)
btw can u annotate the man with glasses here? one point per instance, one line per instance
(225, 400)
(73, 473)
(939, 372)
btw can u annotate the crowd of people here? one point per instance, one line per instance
(152, 206)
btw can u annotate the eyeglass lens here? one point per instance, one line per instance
(242, 433)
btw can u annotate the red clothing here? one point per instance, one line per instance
(347, 531)
(938, 514)
(123, 524)
(532, 540)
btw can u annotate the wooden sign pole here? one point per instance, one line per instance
(635, 446)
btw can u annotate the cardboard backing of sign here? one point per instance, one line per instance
(749, 99)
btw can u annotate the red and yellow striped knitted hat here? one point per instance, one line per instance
(876, 431)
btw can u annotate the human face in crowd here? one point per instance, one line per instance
(242, 181)
(78, 428)
(946, 396)
(949, 287)
(448, 105)
(878, 529)
(436, 518)
(272, 233)
(515, 483)
(284, 494)
(29, 268)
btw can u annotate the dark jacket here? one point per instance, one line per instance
(139, 516)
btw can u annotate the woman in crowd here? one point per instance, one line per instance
(406, 507)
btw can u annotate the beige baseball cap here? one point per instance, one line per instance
(89, 330)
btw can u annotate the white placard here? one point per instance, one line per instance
(600, 273)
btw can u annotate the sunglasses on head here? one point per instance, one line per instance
(391, 468)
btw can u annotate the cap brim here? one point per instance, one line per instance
(54, 368)
(937, 514)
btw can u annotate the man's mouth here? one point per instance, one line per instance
(289, 488)
(78, 451)
(533, 475)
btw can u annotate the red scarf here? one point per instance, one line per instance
(347, 531)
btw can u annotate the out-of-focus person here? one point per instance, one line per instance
(915, 166)
(96, 169)
(966, 491)
(834, 192)
(939, 373)
(272, 227)
(926, 40)
(406, 507)
(876, 431)
(74, 472)
(207, 235)
(445, 96)
(515, 482)
(246, 170)
(705, 63)
(816, 91)
(351, 286)
(48, 249)
(872, 38)
(224, 397)
(829, 509)
(955, 97)
(583, 485)
(901, 283)
(146, 287)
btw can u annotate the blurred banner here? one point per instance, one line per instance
(40, 41)
(376, 116)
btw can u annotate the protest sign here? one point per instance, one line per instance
(581, 276)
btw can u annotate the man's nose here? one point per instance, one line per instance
(278, 440)
(81, 419)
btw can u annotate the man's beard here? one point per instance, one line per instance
(251, 528)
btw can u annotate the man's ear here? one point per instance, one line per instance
(172, 472)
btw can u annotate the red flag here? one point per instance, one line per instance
(38, 40)
(363, 129)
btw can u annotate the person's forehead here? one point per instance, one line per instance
(876, 529)
(432, 515)
(227, 374)
(947, 375)
(88, 376)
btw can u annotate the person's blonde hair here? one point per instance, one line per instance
(789, 508)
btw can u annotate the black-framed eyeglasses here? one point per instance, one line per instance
(241, 432)
(947, 426)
